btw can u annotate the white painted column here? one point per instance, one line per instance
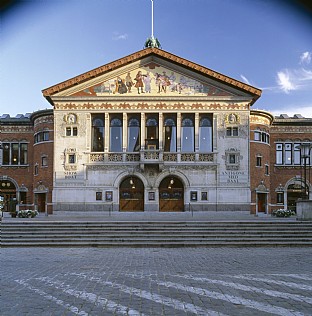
(142, 131)
(124, 132)
(160, 131)
(196, 131)
(179, 116)
(106, 133)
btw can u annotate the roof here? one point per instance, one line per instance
(254, 92)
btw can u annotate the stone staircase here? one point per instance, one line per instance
(155, 234)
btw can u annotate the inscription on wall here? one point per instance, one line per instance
(72, 175)
(232, 177)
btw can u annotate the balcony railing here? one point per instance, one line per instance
(152, 157)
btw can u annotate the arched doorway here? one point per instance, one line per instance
(131, 195)
(171, 195)
(8, 193)
(295, 191)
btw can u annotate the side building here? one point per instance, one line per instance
(26, 160)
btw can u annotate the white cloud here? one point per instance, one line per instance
(285, 81)
(245, 79)
(305, 58)
(297, 78)
(117, 36)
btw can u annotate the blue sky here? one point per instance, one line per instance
(265, 43)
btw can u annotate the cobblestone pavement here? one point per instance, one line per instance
(128, 281)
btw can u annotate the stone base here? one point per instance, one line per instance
(304, 210)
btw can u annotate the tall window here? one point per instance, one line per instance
(97, 133)
(296, 154)
(115, 135)
(187, 134)
(133, 135)
(15, 154)
(151, 134)
(205, 135)
(170, 135)
(279, 154)
(288, 156)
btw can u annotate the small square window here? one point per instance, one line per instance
(280, 197)
(266, 170)
(44, 161)
(204, 196)
(257, 136)
(98, 196)
(235, 131)
(36, 169)
(232, 158)
(229, 131)
(72, 158)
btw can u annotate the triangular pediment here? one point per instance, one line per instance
(152, 72)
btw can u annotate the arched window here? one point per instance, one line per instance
(187, 135)
(97, 141)
(205, 135)
(133, 135)
(170, 135)
(115, 135)
(151, 126)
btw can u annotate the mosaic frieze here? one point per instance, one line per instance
(152, 79)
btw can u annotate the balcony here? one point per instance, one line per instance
(147, 157)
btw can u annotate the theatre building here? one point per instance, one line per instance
(153, 132)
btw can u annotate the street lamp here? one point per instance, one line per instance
(305, 149)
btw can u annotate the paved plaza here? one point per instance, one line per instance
(150, 281)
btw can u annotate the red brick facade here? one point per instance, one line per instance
(27, 160)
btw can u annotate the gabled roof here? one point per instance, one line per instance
(102, 70)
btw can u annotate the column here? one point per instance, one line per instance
(160, 131)
(215, 132)
(124, 132)
(179, 116)
(88, 134)
(142, 131)
(106, 133)
(196, 132)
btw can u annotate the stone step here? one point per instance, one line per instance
(215, 243)
(154, 234)
(19, 234)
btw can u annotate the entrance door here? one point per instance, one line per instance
(261, 202)
(294, 192)
(8, 193)
(41, 201)
(171, 195)
(131, 195)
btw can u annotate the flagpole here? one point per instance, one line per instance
(152, 18)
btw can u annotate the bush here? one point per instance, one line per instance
(282, 213)
(26, 213)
